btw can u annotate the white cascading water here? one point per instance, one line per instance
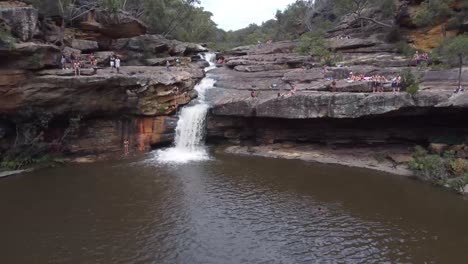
(190, 129)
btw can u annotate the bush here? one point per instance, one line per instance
(394, 35)
(413, 89)
(408, 79)
(315, 44)
(430, 167)
(6, 39)
(23, 162)
(405, 49)
(457, 184)
(432, 11)
(459, 166)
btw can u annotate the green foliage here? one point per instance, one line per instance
(404, 48)
(316, 45)
(455, 48)
(6, 39)
(162, 108)
(446, 170)
(457, 184)
(430, 167)
(432, 11)
(36, 60)
(413, 89)
(19, 163)
(407, 78)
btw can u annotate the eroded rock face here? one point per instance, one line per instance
(329, 105)
(29, 55)
(139, 91)
(106, 135)
(21, 19)
(138, 105)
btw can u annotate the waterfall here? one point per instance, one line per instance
(190, 129)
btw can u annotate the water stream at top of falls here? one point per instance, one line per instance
(190, 130)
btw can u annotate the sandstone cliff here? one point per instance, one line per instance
(42, 104)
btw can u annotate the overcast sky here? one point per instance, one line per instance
(237, 14)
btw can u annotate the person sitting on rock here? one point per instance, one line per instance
(333, 87)
(293, 90)
(253, 94)
(459, 89)
(73, 57)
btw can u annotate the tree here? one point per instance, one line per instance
(432, 11)
(357, 9)
(457, 48)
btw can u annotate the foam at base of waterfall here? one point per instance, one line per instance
(179, 155)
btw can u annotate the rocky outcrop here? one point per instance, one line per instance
(84, 45)
(110, 106)
(312, 113)
(29, 55)
(139, 91)
(20, 18)
(156, 44)
(113, 25)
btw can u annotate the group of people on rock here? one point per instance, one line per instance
(376, 82)
(418, 58)
(114, 62)
(260, 44)
(77, 62)
(291, 92)
(220, 60)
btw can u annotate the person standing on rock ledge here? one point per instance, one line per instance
(117, 63)
(168, 66)
(126, 147)
(112, 62)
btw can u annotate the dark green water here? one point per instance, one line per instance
(229, 210)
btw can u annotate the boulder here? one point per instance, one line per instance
(68, 51)
(21, 19)
(437, 148)
(157, 44)
(120, 25)
(84, 45)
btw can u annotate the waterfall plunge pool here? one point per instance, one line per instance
(230, 209)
